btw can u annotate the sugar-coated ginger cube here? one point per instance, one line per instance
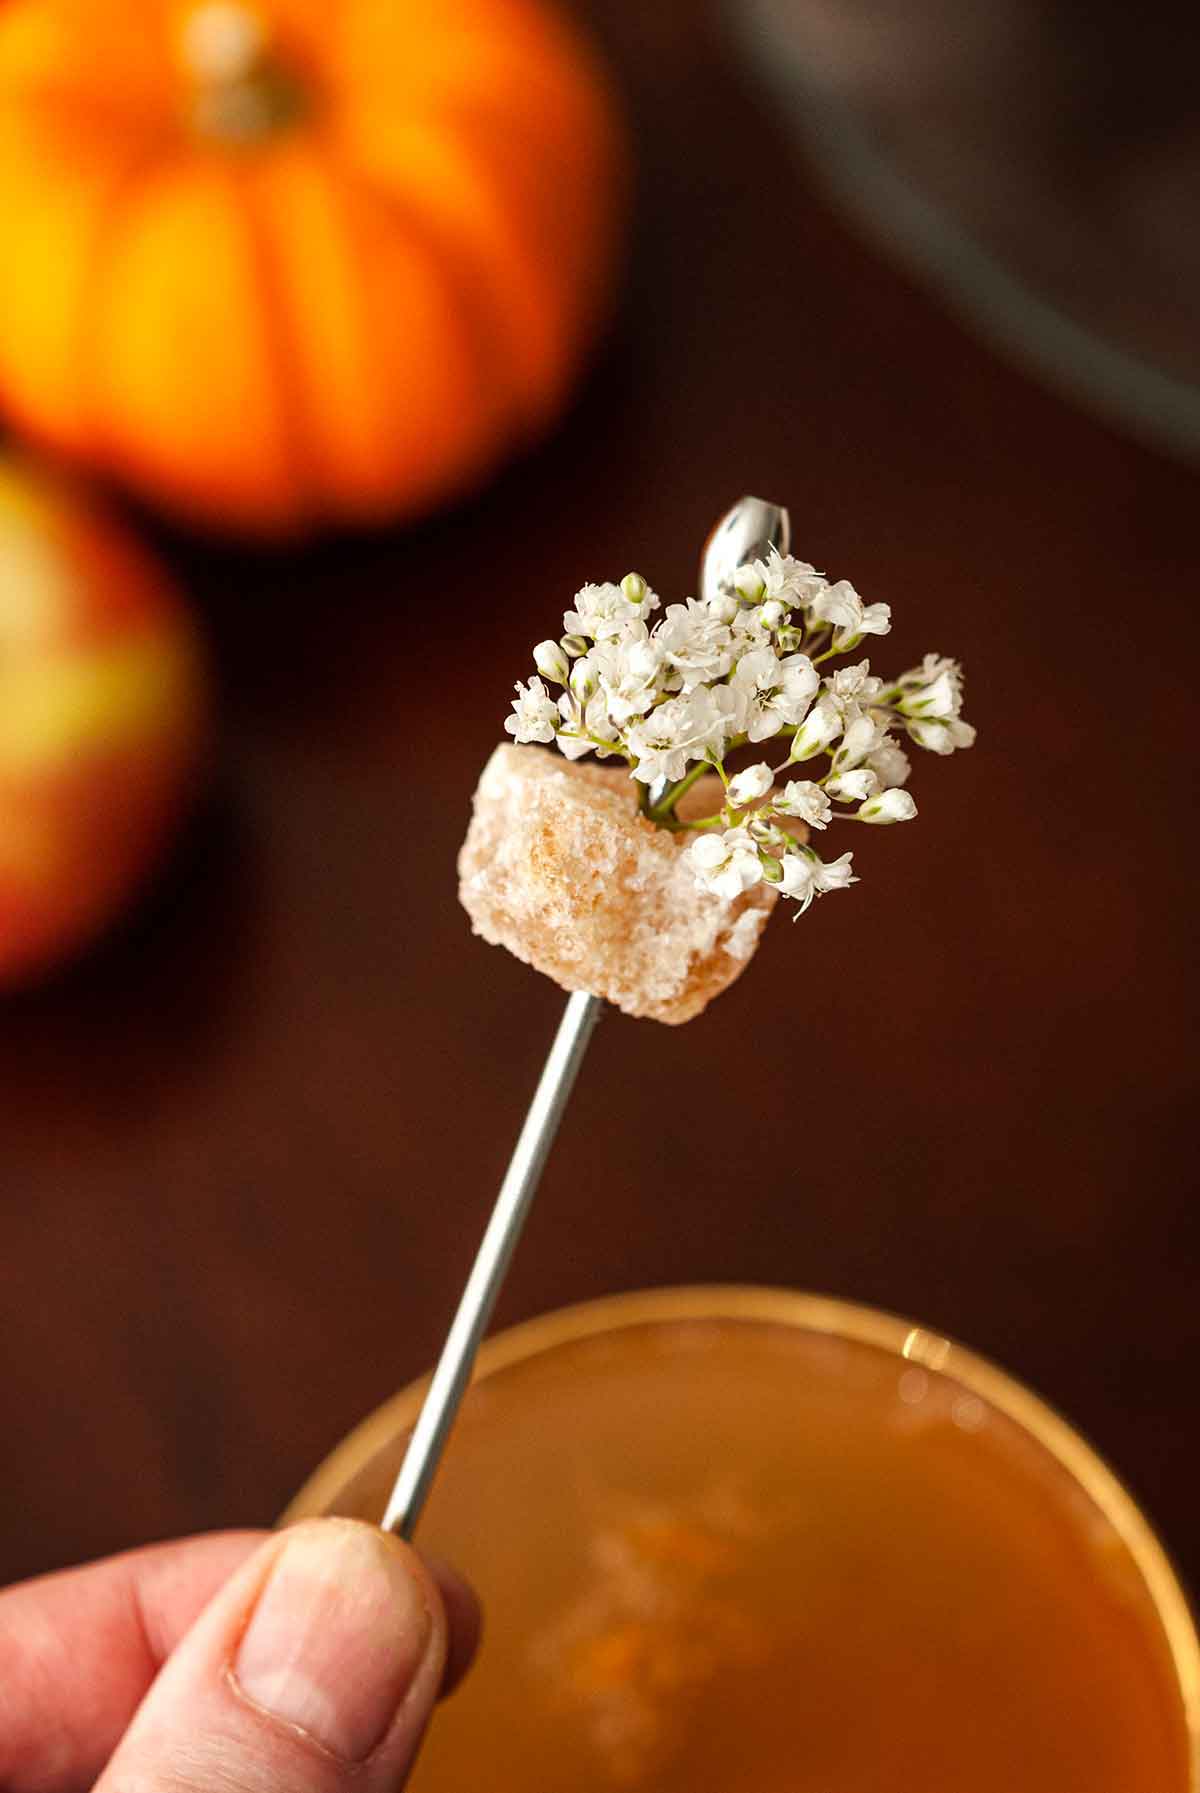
(561, 868)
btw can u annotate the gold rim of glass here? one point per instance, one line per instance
(823, 1314)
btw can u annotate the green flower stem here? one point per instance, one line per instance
(573, 734)
(701, 826)
(662, 810)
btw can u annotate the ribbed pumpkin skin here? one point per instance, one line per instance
(350, 316)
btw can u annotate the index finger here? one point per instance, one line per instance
(79, 1649)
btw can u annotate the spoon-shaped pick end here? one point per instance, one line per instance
(747, 531)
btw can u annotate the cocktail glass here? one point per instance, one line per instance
(747, 1539)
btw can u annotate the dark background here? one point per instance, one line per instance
(246, 1149)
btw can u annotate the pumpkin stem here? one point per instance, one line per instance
(222, 42)
(241, 93)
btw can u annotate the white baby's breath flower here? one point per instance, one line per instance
(573, 745)
(534, 716)
(722, 606)
(597, 607)
(748, 584)
(941, 736)
(876, 620)
(768, 834)
(801, 797)
(583, 727)
(853, 685)
(797, 879)
(863, 735)
(745, 787)
(749, 631)
(726, 863)
(756, 624)
(841, 605)
(890, 764)
(551, 662)
(942, 698)
(775, 692)
(730, 668)
(805, 876)
(929, 697)
(838, 604)
(929, 671)
(585, 678)
(691, 727)
(836, 875)
(769, 590)
(888, 806)
(695, 644)
(792, 582)
(822, 725)
(602, 611)
(630, 671)
(853, 787)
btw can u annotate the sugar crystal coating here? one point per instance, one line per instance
(560, 867)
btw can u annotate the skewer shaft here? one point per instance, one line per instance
(453, 1371)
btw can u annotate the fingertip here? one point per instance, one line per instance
(457, 1601)
(346, 1640)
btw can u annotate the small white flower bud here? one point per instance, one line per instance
(772, 614)
(551, 662)
(584, 682)
(729, 863)
(853, 787)
(722, 606)
(941, 736)
(767, 834)
(890, 806)
(861, 738)
(574, 645)
(802, 798)
(941, 699)
(748, 585)
(821, 726)
(890, 764)
(634, 587)
(754, 782)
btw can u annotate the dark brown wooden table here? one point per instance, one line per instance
(247, 1148)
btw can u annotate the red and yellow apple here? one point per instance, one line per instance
(102, 718)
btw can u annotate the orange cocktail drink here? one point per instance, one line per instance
(748, 1541)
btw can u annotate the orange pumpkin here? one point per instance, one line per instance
(274, 262)
(102, 719)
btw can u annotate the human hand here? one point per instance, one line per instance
(305, 1661)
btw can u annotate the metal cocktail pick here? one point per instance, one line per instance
(499, 1241)
(746, 532)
